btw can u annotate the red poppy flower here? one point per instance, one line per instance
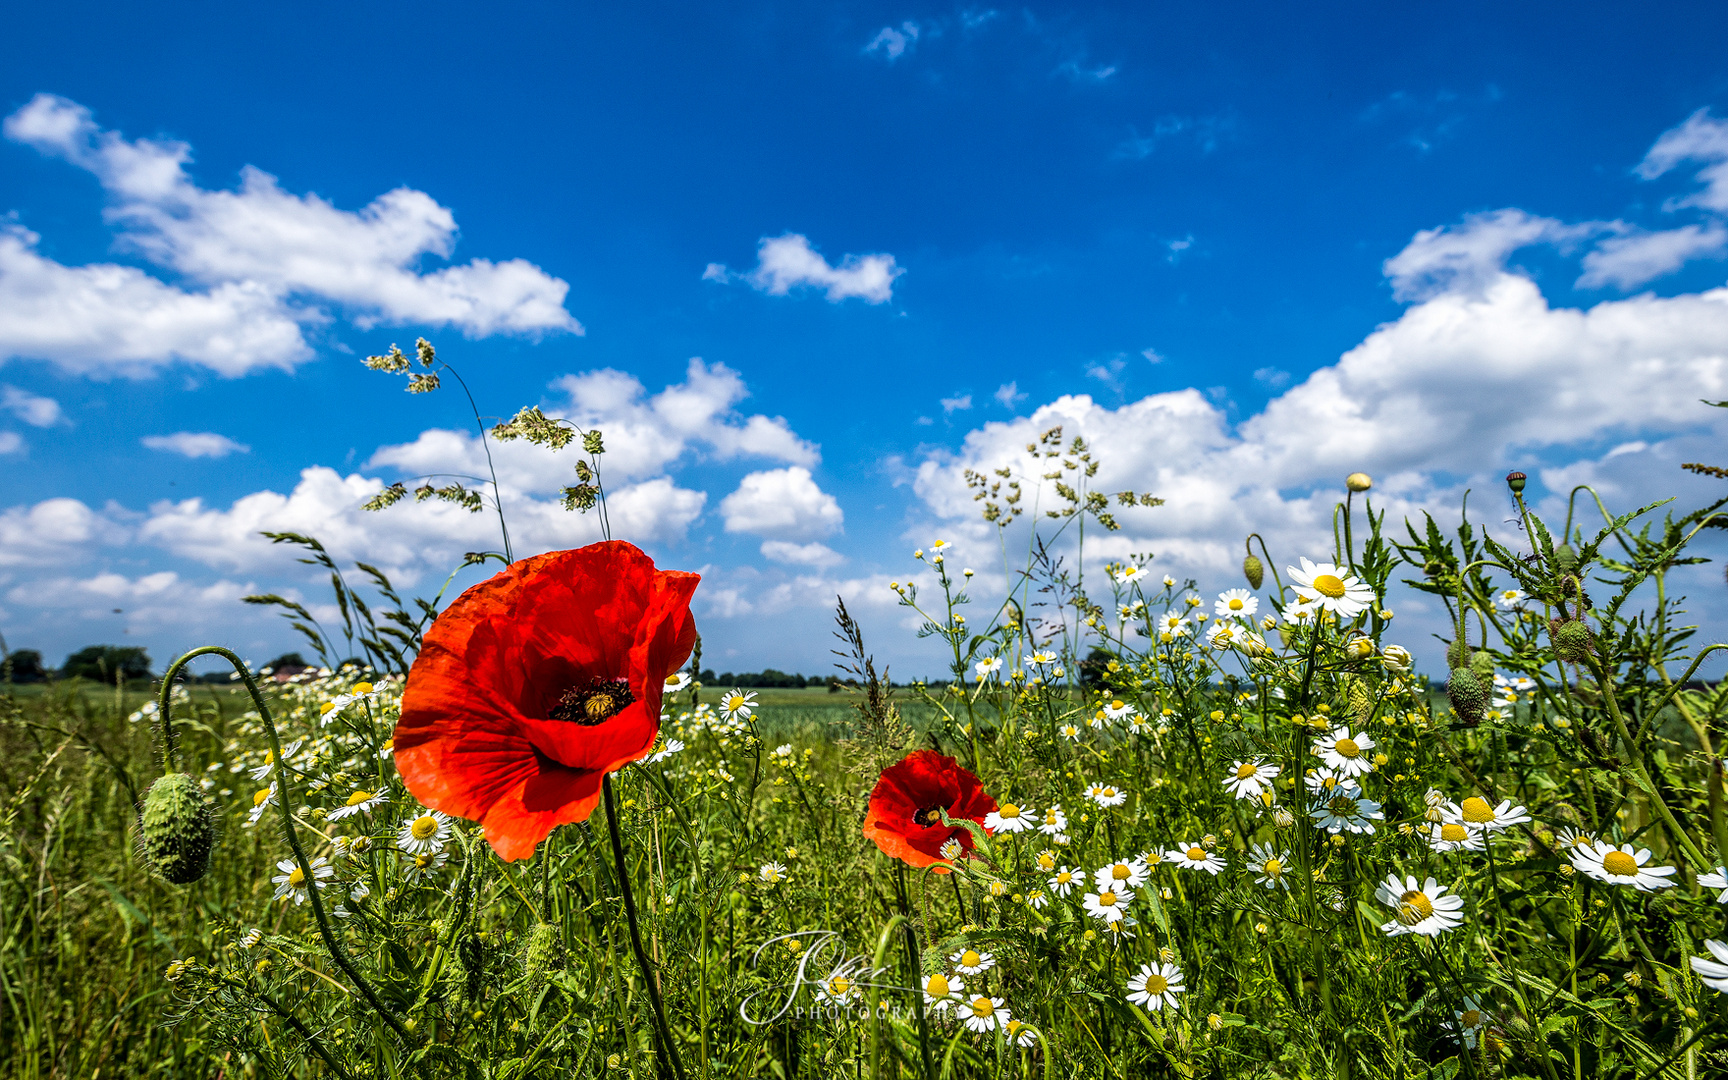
(903, 818)
(535, 684)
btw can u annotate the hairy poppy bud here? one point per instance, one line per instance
(1565, 560)
(544, 952)
(1358, 481)
(1458, 654)
(469, 969)
(1466, 693)
(1573, 642)
(1482, 666)
(1254, 570)
(179, 829)
(1516, 481)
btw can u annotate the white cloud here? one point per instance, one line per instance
(195, 444)
(11, 443)
(1009, 394)
(788, 262)
(1701, 138)
(1465, 258)
(782, 504)
(893, 43)
(1273, 377)
(33, 409)
(55, 531)
(951, 405)
(265, 257)
(1075, 71)
(1153, 356)
(1630, 261)
(814, 554)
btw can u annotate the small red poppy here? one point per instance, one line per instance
(538, 682)
(903, 818)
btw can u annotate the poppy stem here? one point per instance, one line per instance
(661, 1029)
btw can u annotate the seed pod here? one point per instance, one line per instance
(1516, 481)
(1254, 570)
(1466, 693)
(1458, 654)
(1573, 642)
(1565, 560)
(1482, 666)
(544, 951)
(178, 826)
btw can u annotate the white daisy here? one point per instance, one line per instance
(1040, 658)
(672, 746)
(1347, 810)
(951, 849)
(292, 880)
(1118, 710)
(251, 937)
(1106, 795)
(839, 988)
(1622, 866)
(1713, 973)
(1169, 582)
(1019, 1033)
(972, 962)
(1452, 836)
(1346, 753)
(1171, 625)
(1010, 818)
(262, 800)
(1062, 881)
(423, 867)
(1716, 880)
(1475, 813)
(1195, 857)
(675, 682)
(1250, 644)
(1247, 779)
(943, 991)
(1419, 907)
(1237, 603)
(425, 834)
(1155, 987)
(1037, 900)
(1221, 635)
(361, 691)
(772, 873)
(1128, 575)
(738, 704)
(1071, 732)
(1510, 599)
(987, 667)
(1396, 658)
(1269, 866)
(269, 765)
(1109, 904)
(1468, 1021)
(1340, 592)
(360, 801)
(983, 1013)
(1131, 873)
(1570, 838)
(1055, 821)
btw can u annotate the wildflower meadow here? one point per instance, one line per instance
(1141, 827)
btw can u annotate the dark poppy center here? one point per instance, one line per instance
(929, 816)
(595, 702)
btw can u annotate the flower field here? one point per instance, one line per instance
(1145, 827)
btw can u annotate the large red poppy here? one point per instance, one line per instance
(535, 684)
(903, 818)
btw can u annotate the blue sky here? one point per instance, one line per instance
(1160, 226)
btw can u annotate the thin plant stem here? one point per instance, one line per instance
(649, 976)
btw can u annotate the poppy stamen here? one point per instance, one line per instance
(929, 816)
(600, 700)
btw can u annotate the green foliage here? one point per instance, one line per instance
(103, 663)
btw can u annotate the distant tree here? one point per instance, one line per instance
(25, 665)
(1094, 668)
(287, 660)
(100, 662)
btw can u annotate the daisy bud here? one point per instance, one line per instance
(1254, 570)
(178, 827)
(1358, 481)
(1283, 818)
(1516, 480)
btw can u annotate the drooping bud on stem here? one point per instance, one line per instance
(1468, 696)
(1482, 666)
(178, 827)
(544, 951)
(1254, 570)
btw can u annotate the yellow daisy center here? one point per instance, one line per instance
(1156, 984)
(1106, 899)
(983, 1008)
(1046, 861)
(1329, 585)
(1343, 804)
(937, 986)
(1009, 812)
(1453, 834)
(1620, 864)
(362, 688)
(1064, 877)
(422, 861)
(423, 828)
(1413, 907)
(672, 679)
(1470, 1017)
(1273, 867)
(1120, 872)
(359, 797)
(1348, 748)
(1243, 772)
(1198, 854)
(839, 984)
(326, 707)
(969, 958)
(296, 878)
(1476, 810)
(1236, 604)
(389, 745)
(262, 794)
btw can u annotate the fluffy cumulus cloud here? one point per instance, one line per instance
(34, 409)
(260, 263)
(195, 444)
(785, 263)
(56, 531)
(782, 504)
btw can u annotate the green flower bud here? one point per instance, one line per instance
(1482, 666)
(1458, 654)
(1358, 481)
(468, 969)
(1516, 481)
(1573, 642)
(178, 826)
(1565, 560)
(544, 952)
(1254, 570)
(1468, 696)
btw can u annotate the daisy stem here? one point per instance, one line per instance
(283, 792)
(668, 1047)
(1609, 698)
